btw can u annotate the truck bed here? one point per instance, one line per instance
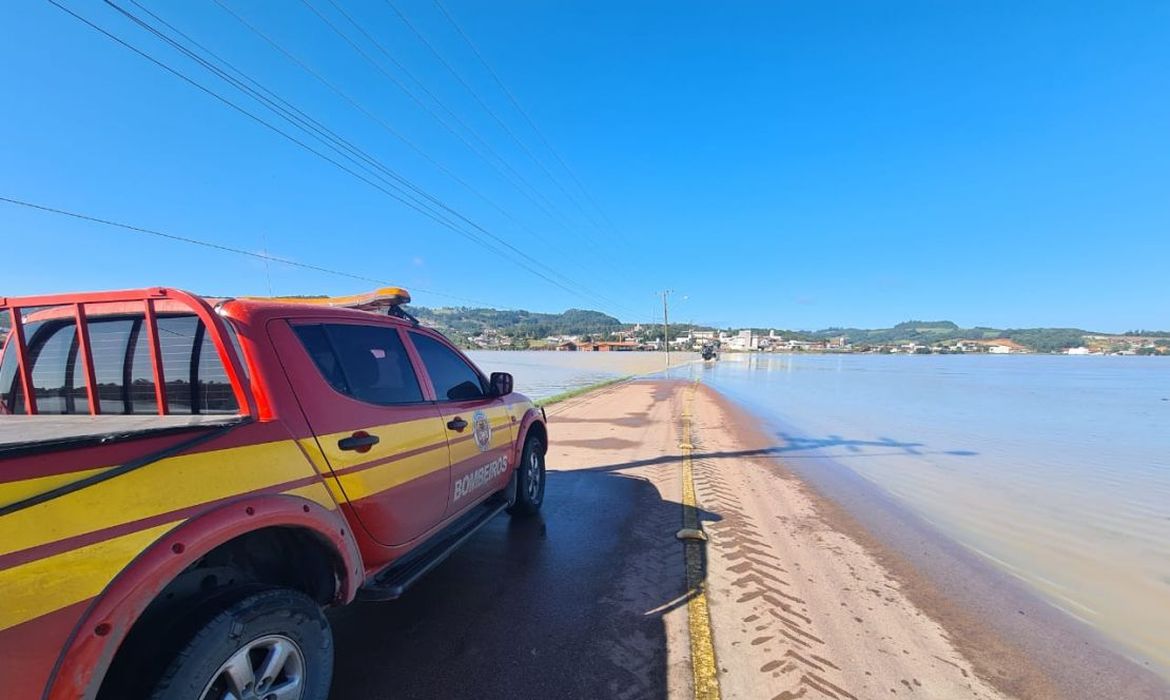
(20, 433)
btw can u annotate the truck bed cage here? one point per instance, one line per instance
(149, 299)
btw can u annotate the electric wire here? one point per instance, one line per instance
(225, 248)
(495, 161)
(337, 141)
(398, 197)
(306, 122)
(483, 104)
(523, 112)
(372, 117)
(503, 125)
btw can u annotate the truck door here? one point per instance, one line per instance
(479, 426)
(384, 442)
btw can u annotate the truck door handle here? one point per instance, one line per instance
(361, 441)
(457, 424)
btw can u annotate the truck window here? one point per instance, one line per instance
(453, 379)
(195, 379)
(368, 363)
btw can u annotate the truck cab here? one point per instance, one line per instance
(185, 482)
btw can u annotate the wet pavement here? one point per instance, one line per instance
(566, 604)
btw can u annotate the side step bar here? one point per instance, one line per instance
(393, 581)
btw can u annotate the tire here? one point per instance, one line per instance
(529, 479)
(244, 636)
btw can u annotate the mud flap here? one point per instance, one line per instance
(510, 491)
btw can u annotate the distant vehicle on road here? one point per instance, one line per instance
(185, 483)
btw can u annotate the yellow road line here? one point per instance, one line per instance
(703, 664)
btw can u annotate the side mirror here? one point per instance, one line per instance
(501, 383)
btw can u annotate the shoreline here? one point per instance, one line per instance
(1007, 636)
(795, 605)
(581, 391)
(1018, 641)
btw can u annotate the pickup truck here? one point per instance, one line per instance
(186, 483)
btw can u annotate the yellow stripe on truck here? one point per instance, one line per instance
(317, 493)
(14, 491)
(500, 421)
(150, 491)
(368, 482)
(394, 438)
(45, 585)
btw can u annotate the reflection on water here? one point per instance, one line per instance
(1056, 468)
(542, 374)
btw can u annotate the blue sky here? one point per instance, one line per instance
(785, 164)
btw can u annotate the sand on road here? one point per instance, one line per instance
(797, 608)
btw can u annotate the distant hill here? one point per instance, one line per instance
(460, 323)
(463, 323)
(926, 332)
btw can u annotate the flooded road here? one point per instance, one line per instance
(591, 600)
(540, 374)
(1054, 468)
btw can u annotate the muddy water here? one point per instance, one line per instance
(543, 374)
(1056, 469)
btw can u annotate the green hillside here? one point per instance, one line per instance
(926, 332)
(460, 323)
(463, 323)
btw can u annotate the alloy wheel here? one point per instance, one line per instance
(269, 668)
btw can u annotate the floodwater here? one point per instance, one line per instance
(540, 374)
(1054, 468)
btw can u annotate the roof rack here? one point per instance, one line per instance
(149, 302)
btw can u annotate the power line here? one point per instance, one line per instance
(358, 106)
(369, 114)
(345, 148)
(524, 113)
(503, 125)
(482, 103)
(314, 131)
(321, 132)
(223, 248)
(512, 175)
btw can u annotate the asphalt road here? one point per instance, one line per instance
(548, 607)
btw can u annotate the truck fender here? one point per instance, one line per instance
(533, 416)
(90, 648)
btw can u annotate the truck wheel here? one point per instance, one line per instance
(271, 645)
(529, 479)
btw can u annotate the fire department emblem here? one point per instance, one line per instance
(482, 430)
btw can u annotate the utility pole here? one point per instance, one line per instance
(666, 325)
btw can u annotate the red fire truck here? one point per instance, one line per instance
(186, 482)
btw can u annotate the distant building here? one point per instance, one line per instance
(1078, 351)
(997, 349)
(803, 345)
(567, 346)
(611, 346)
(744, 340)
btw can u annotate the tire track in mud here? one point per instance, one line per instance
(646, 587)
(773, 617)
